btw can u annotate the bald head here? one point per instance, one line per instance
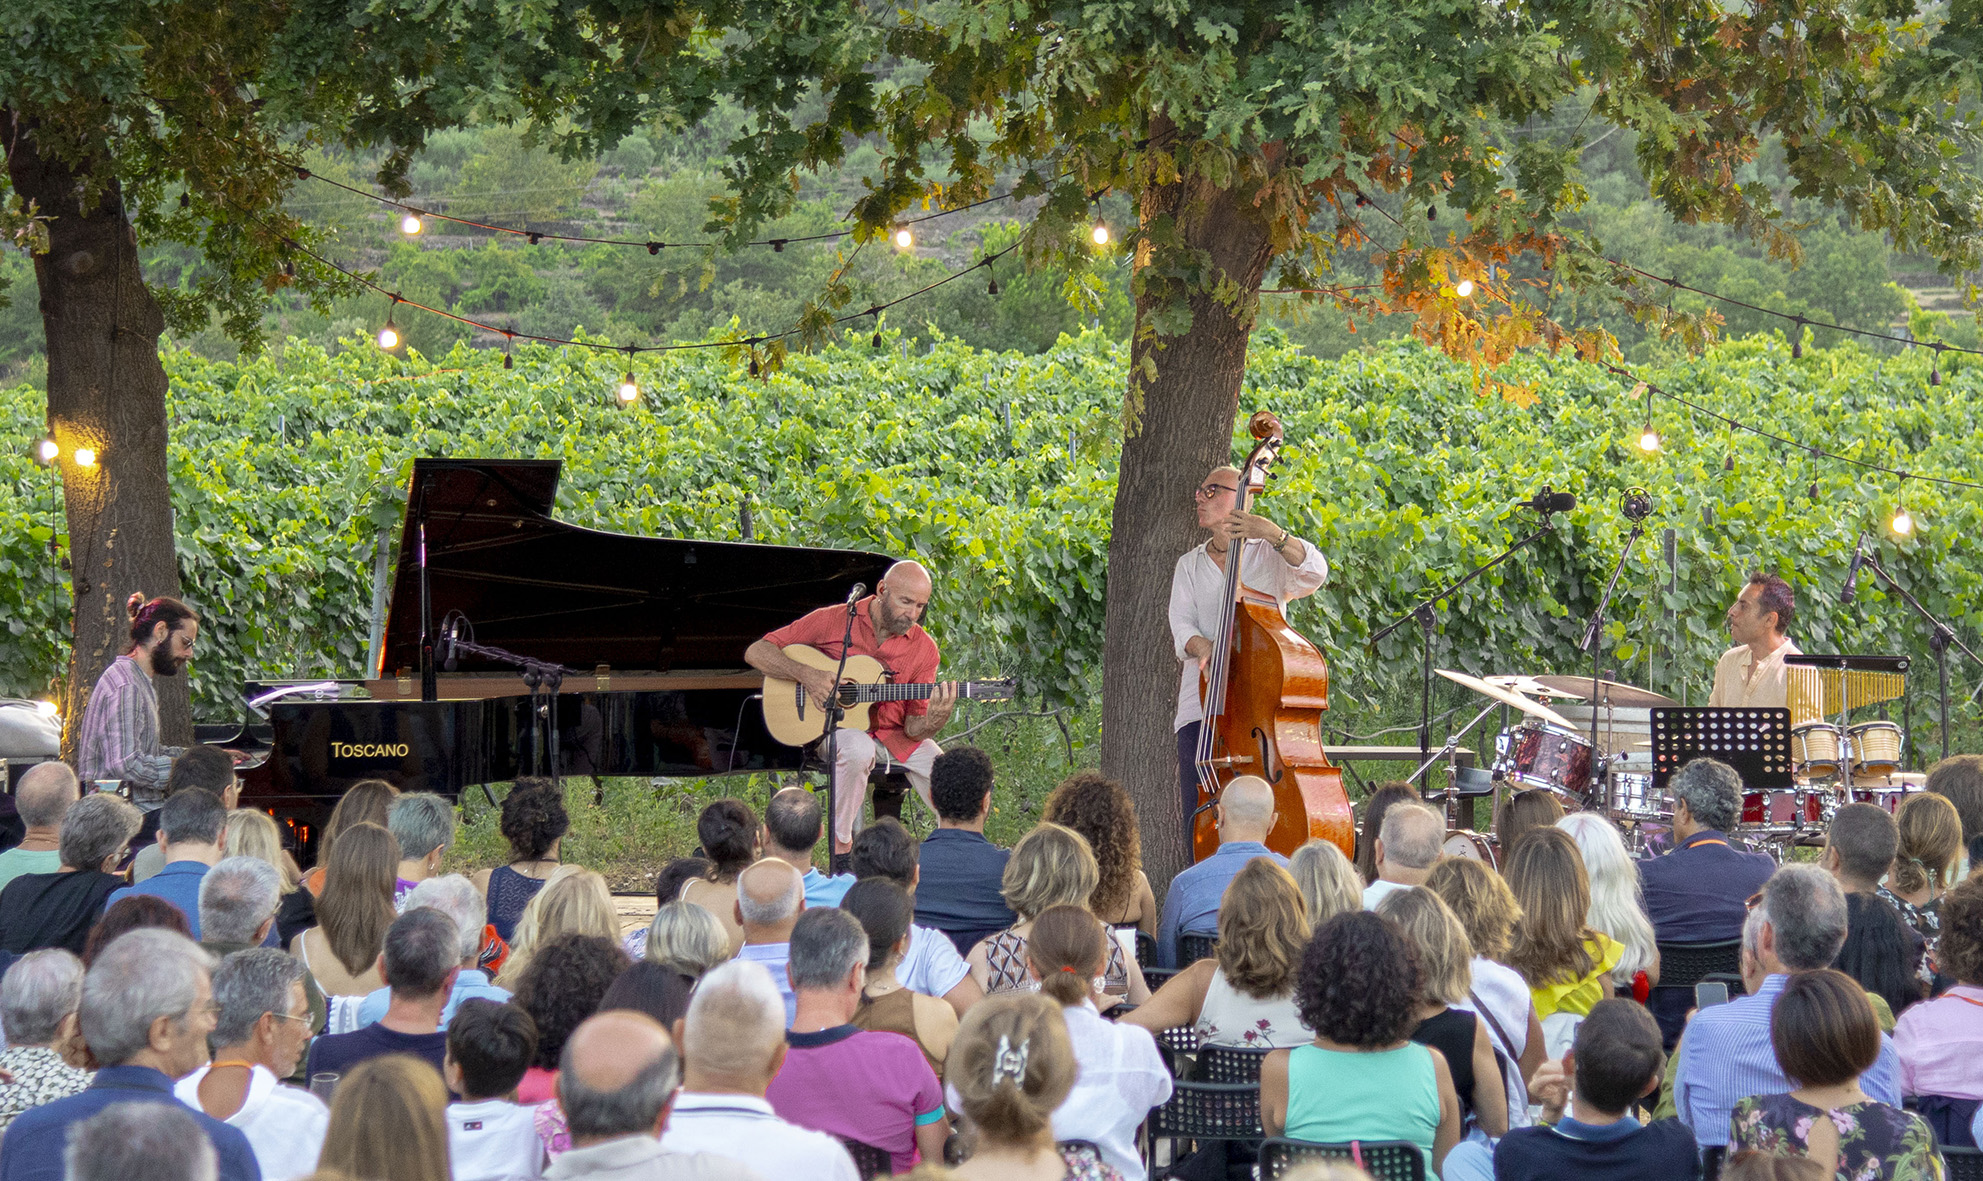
(770, 895)
(45, 794)
(615, 1077)
(902, 598)
(1246, 810)
(909, 575)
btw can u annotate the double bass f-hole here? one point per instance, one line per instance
(1270, 771)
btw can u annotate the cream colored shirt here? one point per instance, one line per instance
(1741, 681)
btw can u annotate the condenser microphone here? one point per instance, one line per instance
(1637, 505)
(1549, 501)
(1851, 586)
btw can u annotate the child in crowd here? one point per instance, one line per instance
(490, 1137)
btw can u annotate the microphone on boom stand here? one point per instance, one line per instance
(854, 596)
(1851, 586)
(1637, 505)
(1549, 501)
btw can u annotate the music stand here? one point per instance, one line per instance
(1756, 742)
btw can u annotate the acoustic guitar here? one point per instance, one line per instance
(795, 719)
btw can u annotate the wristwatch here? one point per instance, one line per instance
(1283, 542)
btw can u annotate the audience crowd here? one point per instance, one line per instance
(181, 1001)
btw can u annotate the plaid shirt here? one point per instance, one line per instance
(120, 733)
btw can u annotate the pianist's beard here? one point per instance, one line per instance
(164, 663)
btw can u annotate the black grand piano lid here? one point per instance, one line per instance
(585, 597)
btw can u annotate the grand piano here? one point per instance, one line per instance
(651, 629)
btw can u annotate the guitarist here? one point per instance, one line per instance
(886, 627)
(1285, 567)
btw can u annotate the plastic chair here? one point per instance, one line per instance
(1229, 1064)
(1683, 965)
(1192, 948)
(1384, 1160)
(1146, 952)
(869, 1162)
(1204, 1112)
(1965, 1164)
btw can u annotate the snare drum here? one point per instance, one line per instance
(1876, 747)
(1814, 748)
(1538, 755)
(1785, 809)
(1633, 798)
(1470, 845)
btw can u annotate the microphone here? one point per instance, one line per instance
(854, 596)
(1637, 504)
(445, 651)
(1851, 586)
(1549, 501)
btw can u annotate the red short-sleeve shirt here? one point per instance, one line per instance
(909, 658)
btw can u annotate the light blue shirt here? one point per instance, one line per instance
(471, 984)
(1191, 905)
(823, 891)
(1726, 1056)
(775, 957)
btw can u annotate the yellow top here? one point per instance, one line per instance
(1578, 996)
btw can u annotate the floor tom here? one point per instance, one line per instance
(1790, 809)
(1470, 845)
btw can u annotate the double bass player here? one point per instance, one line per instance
(1272, 562)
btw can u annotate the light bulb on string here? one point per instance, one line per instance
(389, 335)
(1902, 522)
(1463, 288)
(904, 238)
(1648, 437)
(1100, 232)
(509, 338)
(410, 223)
(629, 389)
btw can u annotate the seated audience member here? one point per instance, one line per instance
(574, 902)
(668, 885)
(733, 1044)
(260, 1032)
(1362, 1078)
(793, 824)
(1825, 1036)
(455, 897)
(770, 896)
(1244, 814)
(1460, 1036)
(885, 911)
(1328, 881)
(654, 989)
(729, 833)
(1525, 812)
(1881, 951)
(1726, 1054)
(931, 965)
(1940, 1041)
(368, 801)
(190, 825)
(421, 958)
(490, 1137)
(423, 824)
(239, 898)
(685, 938)
(563, 987)
(388, 1122)
(1244, 995)
(1013, 1067)
(1618, 908)
(1408, 846)
(203, 768)
(839, 1079)
(1959, 778)
(251, 832)
(57, 909)
(1050, 866)
(1099, 808)
(131, 914)
(960, 891)
(145, 1014)
(1927, 863)
(1120, 1075)
(1750, 1165)
(1487, 911)
(615, 1085)
(534, 822)
(354, 909)
(1568, 965)
(1380, 801)
(38, 1000)
(43, 797)
(1615, 1062)
(148, 1140)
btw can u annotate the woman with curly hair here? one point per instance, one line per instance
(563, 986)
(1568, 965)
(1098, 808)
(1362, 1078)
(534, 822)
(731, 838)
(1245, 996)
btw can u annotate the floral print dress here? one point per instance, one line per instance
(1875, 1142)
(1926, 921)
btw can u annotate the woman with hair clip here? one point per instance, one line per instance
(1924, 867)
(118, 738)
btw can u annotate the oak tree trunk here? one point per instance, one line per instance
(106, 392)
(1179, 426)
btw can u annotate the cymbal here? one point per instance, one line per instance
(1610, 692)
(1507, 697)
(1531, 687)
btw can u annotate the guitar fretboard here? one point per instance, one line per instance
(909, 691)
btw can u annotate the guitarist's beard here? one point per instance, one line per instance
(891, 623)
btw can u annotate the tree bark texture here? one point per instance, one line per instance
(106, 391)
(1179, 427)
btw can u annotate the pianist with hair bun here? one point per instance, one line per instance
(119, 736)
(887, 626)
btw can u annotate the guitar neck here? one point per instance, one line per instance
(909, 691)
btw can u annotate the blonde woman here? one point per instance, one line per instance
(1486, 908)
(388, 1122)
(1050, 866)
(1926, 865)
(1245, 996)
(251, 832)
(574, 901)
(687, 939)
(1618, 907)
(1329, 882)
(1444, 959)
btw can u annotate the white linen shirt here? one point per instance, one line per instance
(284, 1125)
(1734, 686)
(745, 1129)
(1121, 1077)
(1198, 589)
(931, 966)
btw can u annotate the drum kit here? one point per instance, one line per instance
(1550, 747)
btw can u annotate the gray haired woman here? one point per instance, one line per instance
(38, 1000)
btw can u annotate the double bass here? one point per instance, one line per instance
(1264, 689)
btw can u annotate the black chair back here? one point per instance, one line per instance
(1192, 948)
(1202, 1112)
(869, 1162)
(1146, 952)
(1229, 1064)
(1683, 965)
(1965, 1164)
(1384, 1160)
(1949, 1118)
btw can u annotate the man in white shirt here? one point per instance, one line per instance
(770, 895)
(1751, 674)
(1277, 563)
(1408, 846)
(260, 1030)
(931, 966)
(733, 1042)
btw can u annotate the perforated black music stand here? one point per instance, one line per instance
(1756, 742)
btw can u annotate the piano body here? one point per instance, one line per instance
(656, 628)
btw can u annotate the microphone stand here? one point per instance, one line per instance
(1425, 617)
(429, 683)
(1940, 636)
(542, 676)
(831, 732)
(1590, 645)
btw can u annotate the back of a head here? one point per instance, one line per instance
(194, 816)
(769, 893)
(1930, 853)
(1712, 791)
(1823, 1029)
(728, 832)
(1959, 778)
(618, 1072)
(1482, 901)
(1601, 846)
(388, 1122)
(736, 1021)
(827, 945)
(1359, 982)
(130, 913)
(885, 849)
(1877, 952)
(45, 794)
(1753, 1164)
(885, 912)
(533, 818)
(1864, 839)
(421, 822)
(1049, 866)
(368, 801)
(1525, 812)
(1012, 1065)
(422, 946)
(1444, 955)
(1263, 925)
(38, 991)
(1381, 800)
(1099, 808)
(1068, 947)
(237, 896)
(141, 976)
(208, 768)
(356, 905)
(1806, 909)
(563, 985)
(686, 938)
(493, 1044)
(654, 989)
(156, 1141)
(456, 897)
(1959, 956)
(793, 819)
(1547, 877)
(251, 832)
(97, 826)
(960, 779)
(1328, 881)
(1247, 806)
(1412, 836)
(572, 901)
(248, 984)
(677, 873)
(1618, 1055)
